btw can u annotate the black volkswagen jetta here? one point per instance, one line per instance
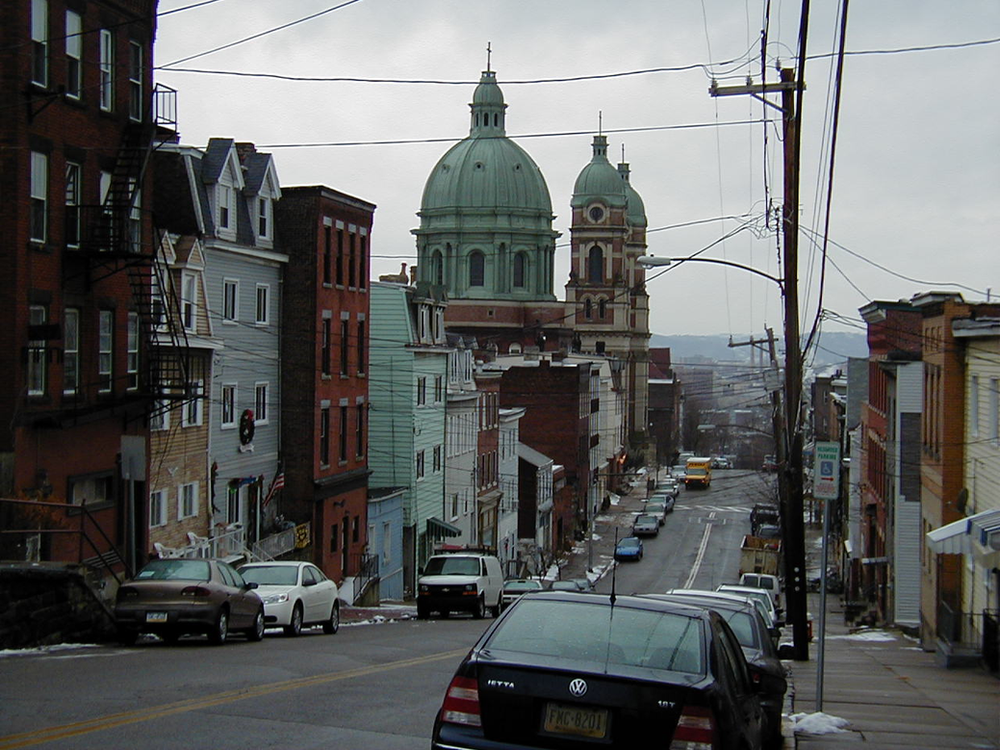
(563, 670)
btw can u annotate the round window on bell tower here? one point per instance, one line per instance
(596, 213)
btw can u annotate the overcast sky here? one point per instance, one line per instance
(916, 175)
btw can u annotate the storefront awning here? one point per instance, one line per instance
(438, 529)
(956, 538)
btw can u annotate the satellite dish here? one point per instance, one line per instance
(963, 499)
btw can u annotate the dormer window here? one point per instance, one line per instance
(225, 198)
(264, 218)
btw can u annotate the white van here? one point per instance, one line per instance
(764, 581)
(460, 582)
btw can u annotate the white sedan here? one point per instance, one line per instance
(295, 595)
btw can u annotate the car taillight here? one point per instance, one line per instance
(695, 729)
(461, 702)
(195, 591)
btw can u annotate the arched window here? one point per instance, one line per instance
(477, 269)
(602, 308)
(588, 309)
(595, 265)
(520, 269)
(437, 268)
(515, 348)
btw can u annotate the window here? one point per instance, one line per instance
(356, 530)
(359, 430)
(602, 308)
(420, 464)
(188, 301)
(157, 509)
(74, 54)
(263, 295)
(93, 490)
(191, 416)
(343, 434)
(159, 416)
(421, 391)
(40, 42)
(519, 269)
(158, 304)
(351, 261)
(72, 236)
(343, 346)
(436, 458)
(135, 81)
(361, 347)
(187, 501)
(437, 268)
(264, 218)
(324, 347)
(340, 255)
(260, 403)
(438, 389)
(477, 269)
(454, 506)
(135, 217)
(132, 351)
(227, 395)
(230, 300)
(327, 254)
(71, 351)
(995, 410)
(974, 405)
(37, 355)
(106, 68)
(39, 197)
(588, 308)
(386, 542)
(105, 351)
(225, 199)
(324, 437)
(595, 265)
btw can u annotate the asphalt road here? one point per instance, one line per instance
(369, 686)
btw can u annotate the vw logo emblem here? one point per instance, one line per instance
(578, 688)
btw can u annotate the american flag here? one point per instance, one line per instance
(277, 484)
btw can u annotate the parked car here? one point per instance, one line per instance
(755, 593)
(679, 472)
(182, 596)
(460, 582)
(572, 584)
(668, 486)
(657, 508)
(667, 500)
(766, 669)
(563, 670)
(629, 548)
(295, 595)
(515, 588)
(646, 524)
(765, 611)
(769, 583)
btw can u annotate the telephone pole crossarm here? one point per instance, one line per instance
(756, 90)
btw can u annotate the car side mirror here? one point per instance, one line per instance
(775, 633)
(786, 651)
(250, 584)
(307, 584)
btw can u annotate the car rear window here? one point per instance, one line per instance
(172, 570)
(584, 631)
(271, 575)
(461, 566)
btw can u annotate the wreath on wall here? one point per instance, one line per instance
(246, 426)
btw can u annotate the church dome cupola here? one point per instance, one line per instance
(488, 108)
(636, 208)
(599, 181)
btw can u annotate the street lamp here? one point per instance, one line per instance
(790, 480)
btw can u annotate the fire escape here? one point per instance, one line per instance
(111, 243)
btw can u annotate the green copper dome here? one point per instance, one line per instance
(599, 181)
(487, 169)
(636, 212)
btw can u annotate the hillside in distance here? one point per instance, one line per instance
(832, 348)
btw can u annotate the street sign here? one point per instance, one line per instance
(826, 471)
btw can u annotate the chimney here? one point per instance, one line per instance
(413, 274)
(243, 150)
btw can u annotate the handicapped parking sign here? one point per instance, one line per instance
(826, 476)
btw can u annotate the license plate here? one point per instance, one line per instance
(582, 722)
(156, 617)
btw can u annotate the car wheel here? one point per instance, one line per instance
(221, 630)
(332, 625)
(171, 636)
(422, 612)
(256, 633)
(128, 637)
(293, 628)
(480, 611)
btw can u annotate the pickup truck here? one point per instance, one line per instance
(760, 555)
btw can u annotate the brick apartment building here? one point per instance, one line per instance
(77, 372)
(324, 357)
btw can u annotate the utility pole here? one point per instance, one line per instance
(790, 480)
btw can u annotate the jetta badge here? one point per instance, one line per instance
(578, 688)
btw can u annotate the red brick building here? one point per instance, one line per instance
(77, 372)
(557, 424)
(324, 355)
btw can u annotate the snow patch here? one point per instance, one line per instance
(818, 723)
(870, 636)
(44, 650)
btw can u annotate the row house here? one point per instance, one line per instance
(222, 198)
(536, 499)
(487, 484)
(507, 515)
(462, 442)
(664, 406)
(409, 357)
(78, 371)
(325, 366)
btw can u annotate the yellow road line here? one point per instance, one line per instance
(50, 734)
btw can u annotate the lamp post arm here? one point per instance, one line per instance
(719, 262)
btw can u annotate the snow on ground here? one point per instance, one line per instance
(818, 723)
(872, 636)
(44, 650)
